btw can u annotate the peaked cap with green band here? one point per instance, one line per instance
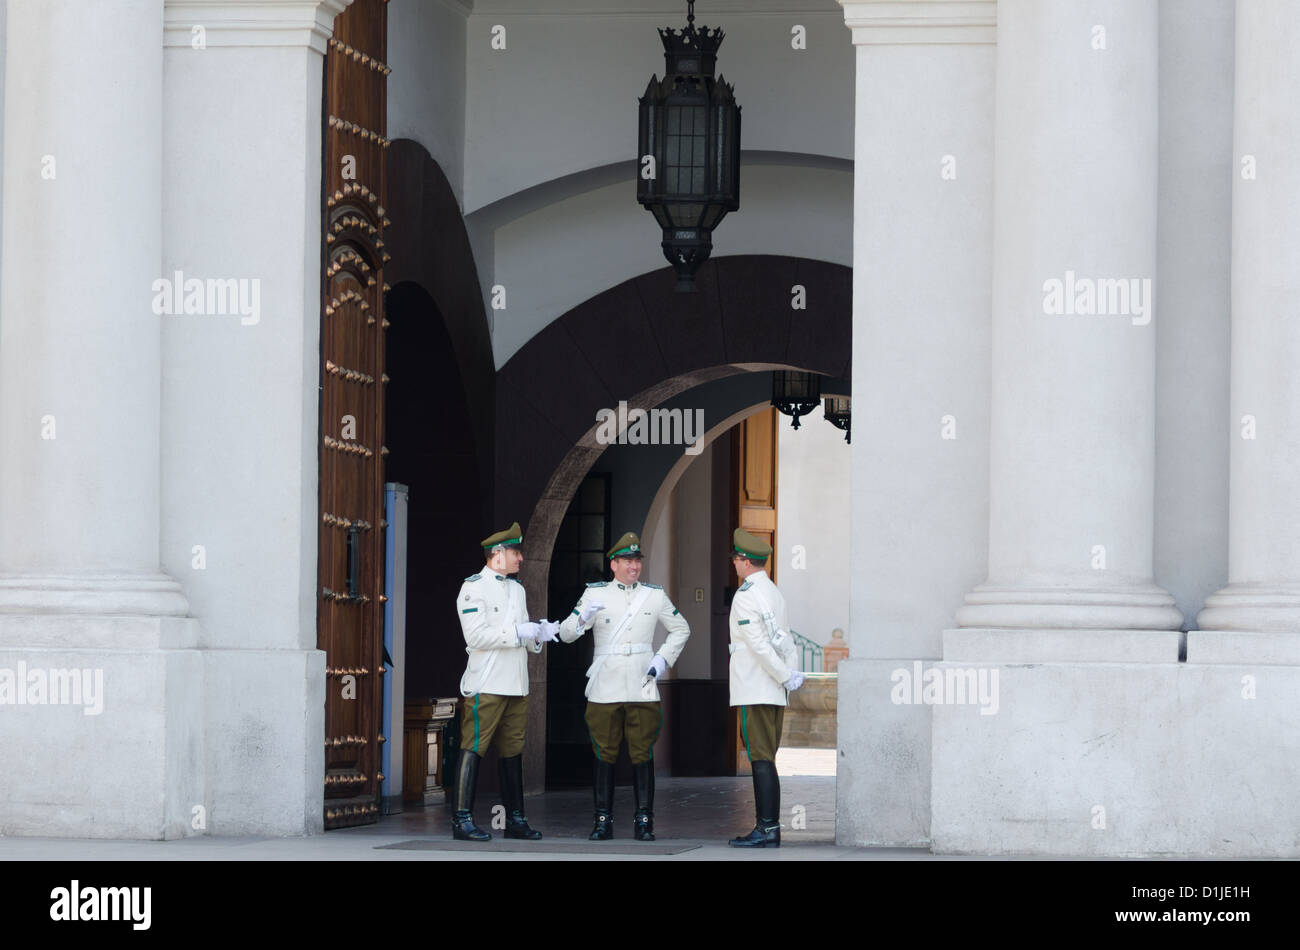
(751, 547)
(511, 537)
(627, 546)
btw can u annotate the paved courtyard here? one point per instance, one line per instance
(693, 819)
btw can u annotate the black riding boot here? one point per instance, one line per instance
(602, 789)
(511, 773)
(767, 805)
(643, 827)
(462, 820)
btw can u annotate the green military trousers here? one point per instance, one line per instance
(760, 728)
(487, 716)
(608, 723)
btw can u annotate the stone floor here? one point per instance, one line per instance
(694, 817)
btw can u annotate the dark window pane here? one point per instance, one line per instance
(593, 568)
(593, 532)
(697, 182)
(674, 120)
(593, 496)
(698, 159)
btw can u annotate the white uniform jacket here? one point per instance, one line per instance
(759, 669)
(489, 605)
(617, 677)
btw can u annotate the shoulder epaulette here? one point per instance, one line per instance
(651, 586)
(747, 585)
(473, 577)
(598, 583)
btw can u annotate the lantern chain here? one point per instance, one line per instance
(690, 12)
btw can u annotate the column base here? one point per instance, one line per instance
(142, 740)
(101, 593)
(882, 784)
(1252, 608)
(1137, 607)
(1269, 648)
(1122, 759)
(264, 712)
(107, 743)
(996, 645)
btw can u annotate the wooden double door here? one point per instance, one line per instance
(350, 624)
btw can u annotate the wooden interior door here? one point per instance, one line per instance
(351, 552)
(753, 493)
(754, 472)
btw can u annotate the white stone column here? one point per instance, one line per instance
(79, 343)
(101, 689)
(1073, 431)
(922, 236)
(1263, 592)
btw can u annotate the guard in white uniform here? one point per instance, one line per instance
(493, 614)
(763, 670)
(622, 690)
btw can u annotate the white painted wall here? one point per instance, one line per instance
(554, 258)
(813, 513)
(426, 89)
(596, 57)
(692, 516)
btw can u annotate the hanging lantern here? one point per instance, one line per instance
(689, 174)
(836, 412)
(796, 394)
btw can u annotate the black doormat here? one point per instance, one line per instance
(593, 848)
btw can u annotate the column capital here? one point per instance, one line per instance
(918, 22)
(252, 22)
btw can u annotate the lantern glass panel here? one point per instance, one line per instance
(684, 155)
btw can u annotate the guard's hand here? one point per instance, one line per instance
(592, 608)
(549, 631)
(795, 681)
(657, 667)
(528, 633)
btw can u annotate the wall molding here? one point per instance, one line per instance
(291, 23)
(921, 22)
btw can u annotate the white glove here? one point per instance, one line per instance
(657, 667)
(528, 632)
(593, 607)
(550, 631)
(795, 680)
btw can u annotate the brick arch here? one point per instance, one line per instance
(644, 343)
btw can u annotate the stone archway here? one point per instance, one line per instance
(643, 343)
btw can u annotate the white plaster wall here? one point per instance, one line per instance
(661, 554)
(426, 89)
(1192, 300)
(596, 57)
(813, 513)
(564, 253)
(692, 518)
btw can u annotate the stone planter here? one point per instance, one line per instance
(810, 715)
